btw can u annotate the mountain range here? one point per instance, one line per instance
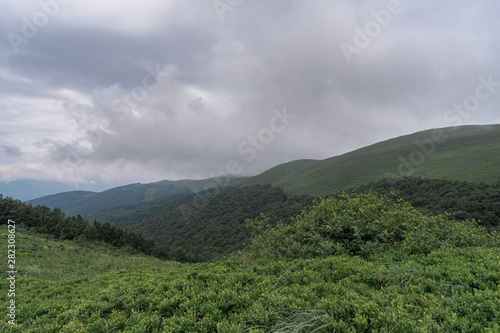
(464, 153)
(451, 169)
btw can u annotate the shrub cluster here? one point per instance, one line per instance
(362, 224)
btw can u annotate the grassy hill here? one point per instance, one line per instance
(274, 174)
(467, 153)
(43, 257)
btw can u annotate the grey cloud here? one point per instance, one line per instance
(10, 151)
(230, 75)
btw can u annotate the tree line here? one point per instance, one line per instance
(42, 219)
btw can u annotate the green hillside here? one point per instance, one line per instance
(274, 174)
(465, 153)
(468, 153)
(85, 203)
(211, 225)
(44, 257)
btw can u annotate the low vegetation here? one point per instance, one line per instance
(451, 289)
(357, 263)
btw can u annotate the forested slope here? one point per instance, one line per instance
(42, 219)
(462, 200)
(214, 224)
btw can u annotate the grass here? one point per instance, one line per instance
(303, 321)
(67, 287)
(450, 290)
(274, 174)
(471, 163)
(40, 257)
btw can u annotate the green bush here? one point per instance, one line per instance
(362, 224)
(448, 290)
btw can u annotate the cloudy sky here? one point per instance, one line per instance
(100, 93)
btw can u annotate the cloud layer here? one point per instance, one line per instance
(127, 91)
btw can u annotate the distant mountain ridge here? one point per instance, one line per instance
(85, 202)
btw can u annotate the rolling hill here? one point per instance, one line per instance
(465, 153)
(274, 174)
(87, 203)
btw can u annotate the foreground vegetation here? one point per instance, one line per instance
(394, 270)
(363, 224)
(447, 290)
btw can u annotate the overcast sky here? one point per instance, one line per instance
(114, 92)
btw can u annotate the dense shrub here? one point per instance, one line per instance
(462, 200)
(362, 224)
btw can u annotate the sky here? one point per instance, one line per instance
(95, 94)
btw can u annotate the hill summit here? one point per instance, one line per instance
(464, 153)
